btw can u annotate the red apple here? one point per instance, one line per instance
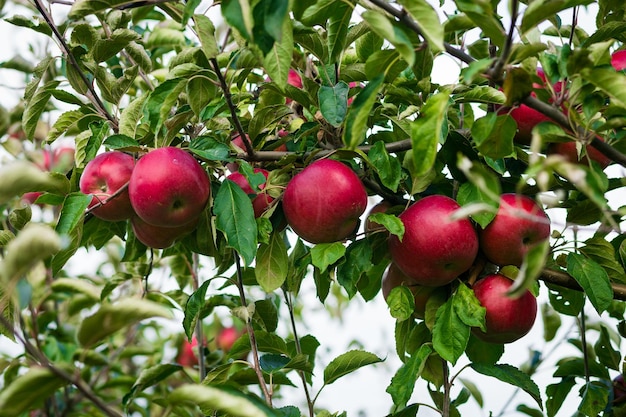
(187, 354)
(168, 187)
(353, 84)
(618, 60)
(324, 201)
(62, 159)
(519, 224)
(103, 177)
(294, 78)
(435, 249)
(31, 197)
(619, 389)
(394, 277)
(226, 338)
(526, 117)
(159, 237)
(260, 201)
(570, 152)
(507, 319)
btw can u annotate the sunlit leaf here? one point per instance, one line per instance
(347, 363)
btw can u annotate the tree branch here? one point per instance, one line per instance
(563, 279)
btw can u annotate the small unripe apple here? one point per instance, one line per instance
(159, 237)
(435, 248)
(507, 319)
(261, 201)
(168, 187)
(103, 177)
(324, 201)
(520, 223)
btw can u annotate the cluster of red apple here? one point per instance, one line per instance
(224, 341)
(527, 118)
(162, 193)
(438, 248)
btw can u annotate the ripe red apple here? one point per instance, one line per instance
(226, 338)
(520, 223)
(293, 78)
(394, 277)
(261, 201)
(526, 117)
(168, 187)
(507, 319)
(187, 353)
(103, 177)
(435, 249)
(159, 237)
(570, 152)
(324, 201)
(618, 60)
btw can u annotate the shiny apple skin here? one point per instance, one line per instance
(158, 237)
(168, 187)
(102, 177)
(261, 201)
(435, 250)
(519, 224)
(507, 319)
(324, 201)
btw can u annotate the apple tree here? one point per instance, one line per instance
(204, 162)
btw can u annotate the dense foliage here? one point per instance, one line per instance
(253, 93)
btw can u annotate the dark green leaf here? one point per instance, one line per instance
(206, 33)
(428, 131)
(426, 17)
(193, 307)
(72, 212)
(387, 167)
(494, 134)
(356, 265)
(272, 263)
(394, 33)
(556, 394)
(450, 334)
(358, 113)
(607, 355)
(235, 218)
(595, 396)
(403, 382)
(149, 377)
(119, 142)
(468, 308)
(401, 303)
(334, 102)
(539, 11)
(593, 279)
(510, 375)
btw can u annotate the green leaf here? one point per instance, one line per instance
(601, 251)
(29, 391)
(392, 223)
(206, 33)
(277, 61)
(113, 317)
(337, 30)
(532, 267)
(401, 303)
(485, 17)
(272, 263)
(149, 377)
(161, 100)
(481, 94)
(76, 286)
(493, 135)
(325, 254)
(20, 177)
(356, 265)
(62, 123)
(468, 308)
(595, 397)
(201, 89)
(347, 363)
(426, 17)
(72, 212)
(483, 352)
(510, 375)
(334, 102)
(609, 81)
(107, 48)
(358, 113)
(35, 107)
(538, 11)
(235, 218)
(387, 167)
(428, 131)
(556, 394)
(387, 62)
(593, 279)
(34, 243)
(121, 142)
(210, 149)
(267, 118)
(403, 382)
(450, 334)
(82, 8)
(487, 203)
(394, 33)
(607, 355)
(223, 399)
(269, 16)
(131, 115)
(194, 305)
